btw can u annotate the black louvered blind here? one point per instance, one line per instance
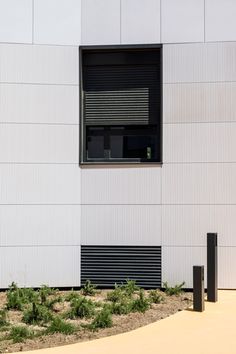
(107, 265)
(121, 93)
(118, 107)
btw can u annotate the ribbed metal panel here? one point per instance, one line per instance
(178, 264)
(199, 62)
(199, 142)
(107, 265)
(199, 102)
(39, 64)
(199, 183)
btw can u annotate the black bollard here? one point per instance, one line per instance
(198, 288)
(212, 267)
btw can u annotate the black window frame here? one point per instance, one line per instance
(82, 143)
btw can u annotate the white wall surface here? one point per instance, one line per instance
(72, 22)
(188, 225)
(140, 21)
(37, 104)
(182, 21)
(199, 62)
(220, 20)
(40, 193)
(34, 266)
(121, 225)
(100, 22)
(226, 269)
(39, 225)
(16, 21)
(121, 185)
(199, 102)
(199, 142)
(57, 22)
(37, 143)
(39, 64)
(39, 184)
(177, 264)
(199, 183)
(199, 171)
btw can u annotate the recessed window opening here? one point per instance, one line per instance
(121, 105)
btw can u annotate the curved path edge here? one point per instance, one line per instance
(187, 332)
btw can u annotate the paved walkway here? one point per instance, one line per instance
(187, 332)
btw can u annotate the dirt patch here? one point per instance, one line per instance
(121, 323)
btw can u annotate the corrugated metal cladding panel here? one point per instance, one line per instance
(199, 102)
(199, 62)
(39, 64)
(107, 265)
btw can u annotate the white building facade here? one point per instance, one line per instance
(51, 205)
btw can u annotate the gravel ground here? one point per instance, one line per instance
(123, 323)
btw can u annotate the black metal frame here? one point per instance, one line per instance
(81, 123)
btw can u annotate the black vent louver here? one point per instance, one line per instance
(107, 265)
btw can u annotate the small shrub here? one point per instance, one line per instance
(81, 307)
(121, 308)
(141, 304)
(51, 302)
(37, 314)
(3, 318)
(28, 294)
(15, 298)
(89, 288)
(116, 295)
(155, 297)
(18, 297)
(44, 292)
(19, 334)
(130, 287)
(58, 325)
(102, 320)
(176, 290)
(72, 295)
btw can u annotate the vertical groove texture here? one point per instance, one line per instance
(107, 265)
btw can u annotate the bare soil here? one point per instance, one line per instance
(121, 323)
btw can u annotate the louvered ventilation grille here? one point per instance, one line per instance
(106, 265)
(121, 94)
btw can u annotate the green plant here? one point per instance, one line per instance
(18, 297)
(175, 290)
(3, 318)
(58, 325)
(37, 314)
(121, 308)
(130, 287)
(72, 295)
(89, 288)
(116, 295)
(51, 302)
(81, 307)
(44, 292)
(102, 320)
(155, 297)
(141, 304)
(19, 334)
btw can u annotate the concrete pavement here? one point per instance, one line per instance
(187, 332)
